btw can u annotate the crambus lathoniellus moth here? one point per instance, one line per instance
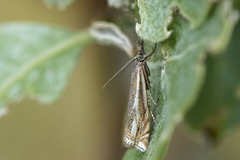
(137, 124)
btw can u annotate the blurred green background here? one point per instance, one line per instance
(85, 123)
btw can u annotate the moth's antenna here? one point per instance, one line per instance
(121, 70)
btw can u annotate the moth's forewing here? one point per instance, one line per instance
(137, 124)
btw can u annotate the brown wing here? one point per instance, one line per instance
(137, 124)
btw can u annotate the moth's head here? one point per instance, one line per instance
(140, 51)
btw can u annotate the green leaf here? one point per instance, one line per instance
(195, 11)
(157, 15)
(62, 4)
(36, 60)
(177, 73)
(218, 106)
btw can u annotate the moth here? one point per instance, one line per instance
(137, 124)
(136, 134)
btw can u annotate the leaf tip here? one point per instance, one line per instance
(109, 33)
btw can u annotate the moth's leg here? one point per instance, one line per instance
(150, 55)
(149, 88)
(148, 83)
(153, 50)
(146, 75)
(152, 95)
(154, 120)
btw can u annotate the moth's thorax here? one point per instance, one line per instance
(138, 65)
(141, 55)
